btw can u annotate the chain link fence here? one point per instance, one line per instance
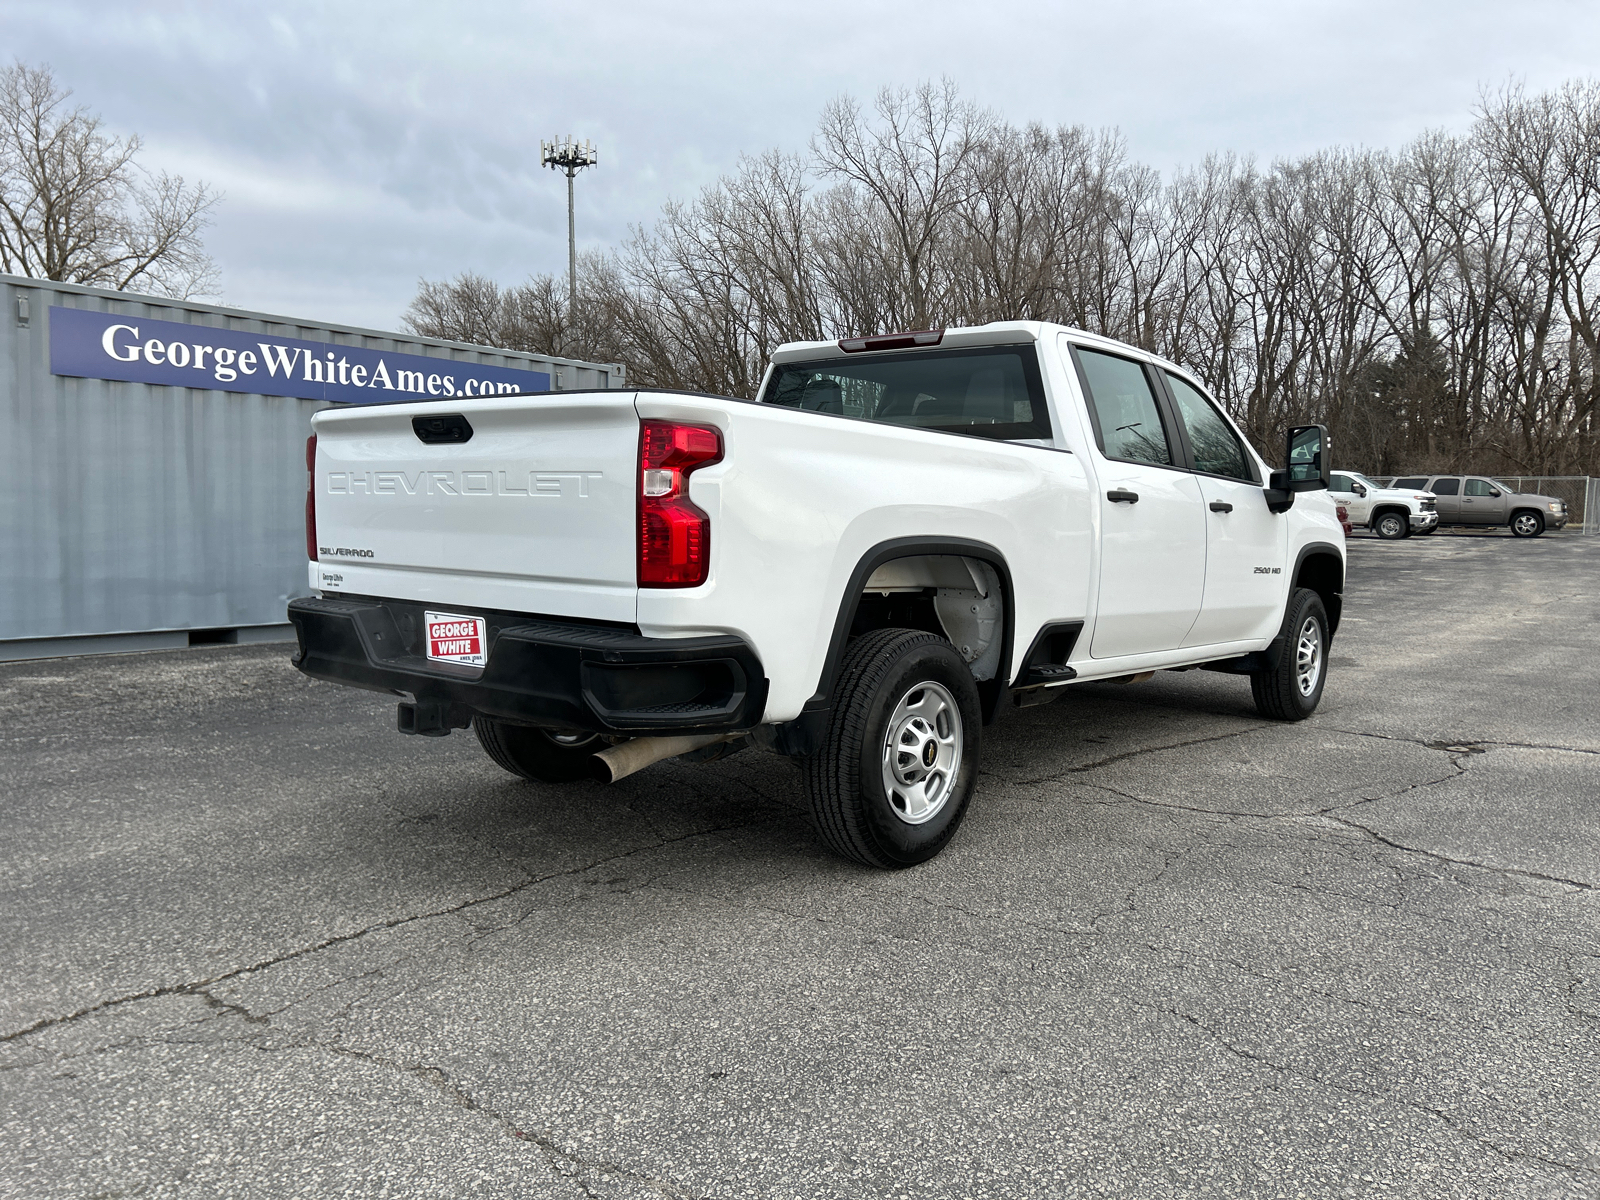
(1581, 492)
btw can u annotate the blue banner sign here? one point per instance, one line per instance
(97, 345)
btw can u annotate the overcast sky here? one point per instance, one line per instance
(362, 147)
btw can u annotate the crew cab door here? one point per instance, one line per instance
(1152, 517)
(1447, 497)
(1483, 503)
(1246, 543)
(1358, 505)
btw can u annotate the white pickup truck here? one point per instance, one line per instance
(900, 537)
(1391, 513)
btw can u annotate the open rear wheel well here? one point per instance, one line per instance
(907, 568)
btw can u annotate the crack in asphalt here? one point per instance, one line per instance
(842, 917)
(555, 1156)
(1297, 984)
(1463, 747)
(1127, 754)
(198, 986)
(1458, 751)
(1455, 1124)
(1519, 872)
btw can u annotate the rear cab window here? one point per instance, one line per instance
(994, 392)
(1128, 423)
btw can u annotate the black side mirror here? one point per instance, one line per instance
(1309, 470)
(1307, 454)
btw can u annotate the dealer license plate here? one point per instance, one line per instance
(454, 638)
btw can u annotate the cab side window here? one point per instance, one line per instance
(1413, 481)
(1480, 487)
(1127, 417)
(1342, 483)
(1445, 487)
(1216, 447)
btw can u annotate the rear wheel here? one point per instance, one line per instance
(538, 754)
(1527, 524)
(1391, 526)
(1291, 690)
(898, 764)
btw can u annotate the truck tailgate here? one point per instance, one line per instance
(533, 512)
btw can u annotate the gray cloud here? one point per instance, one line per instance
(364, 146)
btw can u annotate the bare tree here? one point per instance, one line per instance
(1436, 306)
(76, 207)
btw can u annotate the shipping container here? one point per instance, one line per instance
(139, 510)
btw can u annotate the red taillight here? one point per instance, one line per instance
(674, 534)
(311, 498)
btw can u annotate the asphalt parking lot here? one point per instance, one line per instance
(257, 944)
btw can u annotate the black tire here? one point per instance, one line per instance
(1526, 523)
(1280, 692)
(854, 811)
(537, 754)
(1391, 526)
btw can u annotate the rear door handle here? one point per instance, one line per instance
(1221, 506)
(1121, 496)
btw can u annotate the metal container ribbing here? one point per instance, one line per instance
(131, 507)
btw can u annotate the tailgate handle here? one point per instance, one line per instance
(448, 430)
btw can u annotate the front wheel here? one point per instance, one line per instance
(539, 754)
(1391, 526)
(897, 766)
(1527, 524)
(1291, 690)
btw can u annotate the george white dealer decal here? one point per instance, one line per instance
(550, 484)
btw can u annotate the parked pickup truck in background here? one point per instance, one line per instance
(1475, 500)
(1391, 513)
(898, 539)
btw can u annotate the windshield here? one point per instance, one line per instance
(995, 392)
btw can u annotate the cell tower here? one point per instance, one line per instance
(571, 157)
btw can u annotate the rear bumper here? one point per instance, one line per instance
(548, 673)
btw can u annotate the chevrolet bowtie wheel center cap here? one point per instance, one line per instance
(922, 752)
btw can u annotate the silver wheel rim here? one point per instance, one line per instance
(922, 752)
(1526, 525)
(1389, 526)
(1308, 656)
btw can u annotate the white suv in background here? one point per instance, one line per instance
(1391, 513)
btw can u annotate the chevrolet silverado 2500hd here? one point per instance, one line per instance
(1391, 513)
(899, 537)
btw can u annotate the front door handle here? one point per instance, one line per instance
(1221, 506)
(1122, 496)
